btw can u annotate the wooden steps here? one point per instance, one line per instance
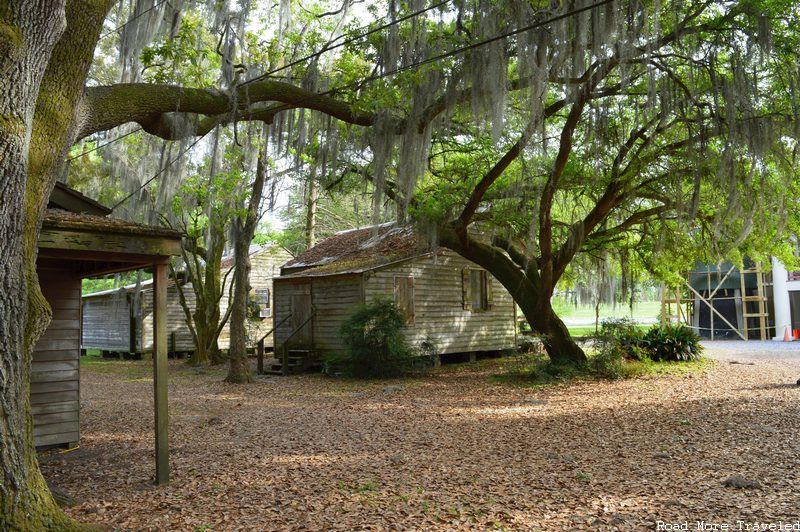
(297, 361)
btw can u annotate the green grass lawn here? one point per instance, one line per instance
(642, 309)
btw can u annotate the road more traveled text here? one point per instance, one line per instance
(734, 526)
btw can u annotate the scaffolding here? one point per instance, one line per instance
(703, 289)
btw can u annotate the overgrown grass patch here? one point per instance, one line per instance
(539, 370)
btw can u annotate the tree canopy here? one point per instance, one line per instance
(521, 134)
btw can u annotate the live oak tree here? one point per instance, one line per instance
(670, 132)
(584, 126)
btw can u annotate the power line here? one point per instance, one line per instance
(104, 144)
(478, 44)
(392, 72)
(271, 72)
(451, 53)
(140, 15)
(161, 171)
(346, 42)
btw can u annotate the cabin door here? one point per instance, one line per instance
(301, 317)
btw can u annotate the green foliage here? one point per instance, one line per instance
(620, 339)
(90, 286)
(672, 343)
(623, 350)
(376, 347)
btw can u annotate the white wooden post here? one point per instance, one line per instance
(780, 298)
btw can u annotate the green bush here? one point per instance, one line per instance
(624, 350)
(620, 339)
(674, 343)
(376, 347)
(608, 364)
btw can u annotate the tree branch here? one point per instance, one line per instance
(166, 110)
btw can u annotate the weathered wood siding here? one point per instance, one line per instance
(106, 322)
(439, 307)
(264, 265)
(55, 374)
(179, 337)
(333, 300)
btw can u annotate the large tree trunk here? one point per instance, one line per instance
(528, 291)
(239, 366)
(42, 81)
(28, 34)
(558, 343)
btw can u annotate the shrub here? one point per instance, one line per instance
(376, 347)
(620, 339)
(608, 364)
(672, 343)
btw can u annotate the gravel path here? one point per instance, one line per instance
(752, 350)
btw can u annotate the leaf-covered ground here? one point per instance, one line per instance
(456, 450)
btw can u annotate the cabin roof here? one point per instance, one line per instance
(69, 199)
(357, 250)
(88, 245)
(61, 219)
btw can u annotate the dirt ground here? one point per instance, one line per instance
(456, 450)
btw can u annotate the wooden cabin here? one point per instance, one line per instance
(120, 320)
(265, 264)
(446, 299)
(79, 240)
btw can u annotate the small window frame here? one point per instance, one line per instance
(399, 283)
(264, 302)
(484, 300)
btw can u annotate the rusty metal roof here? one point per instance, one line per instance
(357, 250)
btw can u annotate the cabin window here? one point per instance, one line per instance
(262, 300)
(476, 289)
(404, 297)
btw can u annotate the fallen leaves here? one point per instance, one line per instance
(451, 451)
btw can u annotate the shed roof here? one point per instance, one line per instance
(357, 250)
(61, 219)
(64, 197)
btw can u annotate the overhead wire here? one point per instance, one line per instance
(375, 77)
(140, 15)
(112, 141)
(479, 44)
(276, 70)
(346, 42)
(160, 171)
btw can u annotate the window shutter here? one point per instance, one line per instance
(466, 290)
(489, 292)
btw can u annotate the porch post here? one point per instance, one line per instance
(160, 372)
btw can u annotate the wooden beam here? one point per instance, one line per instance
(135, 259)
(160, 372)
(73, 239)
(714, 311)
